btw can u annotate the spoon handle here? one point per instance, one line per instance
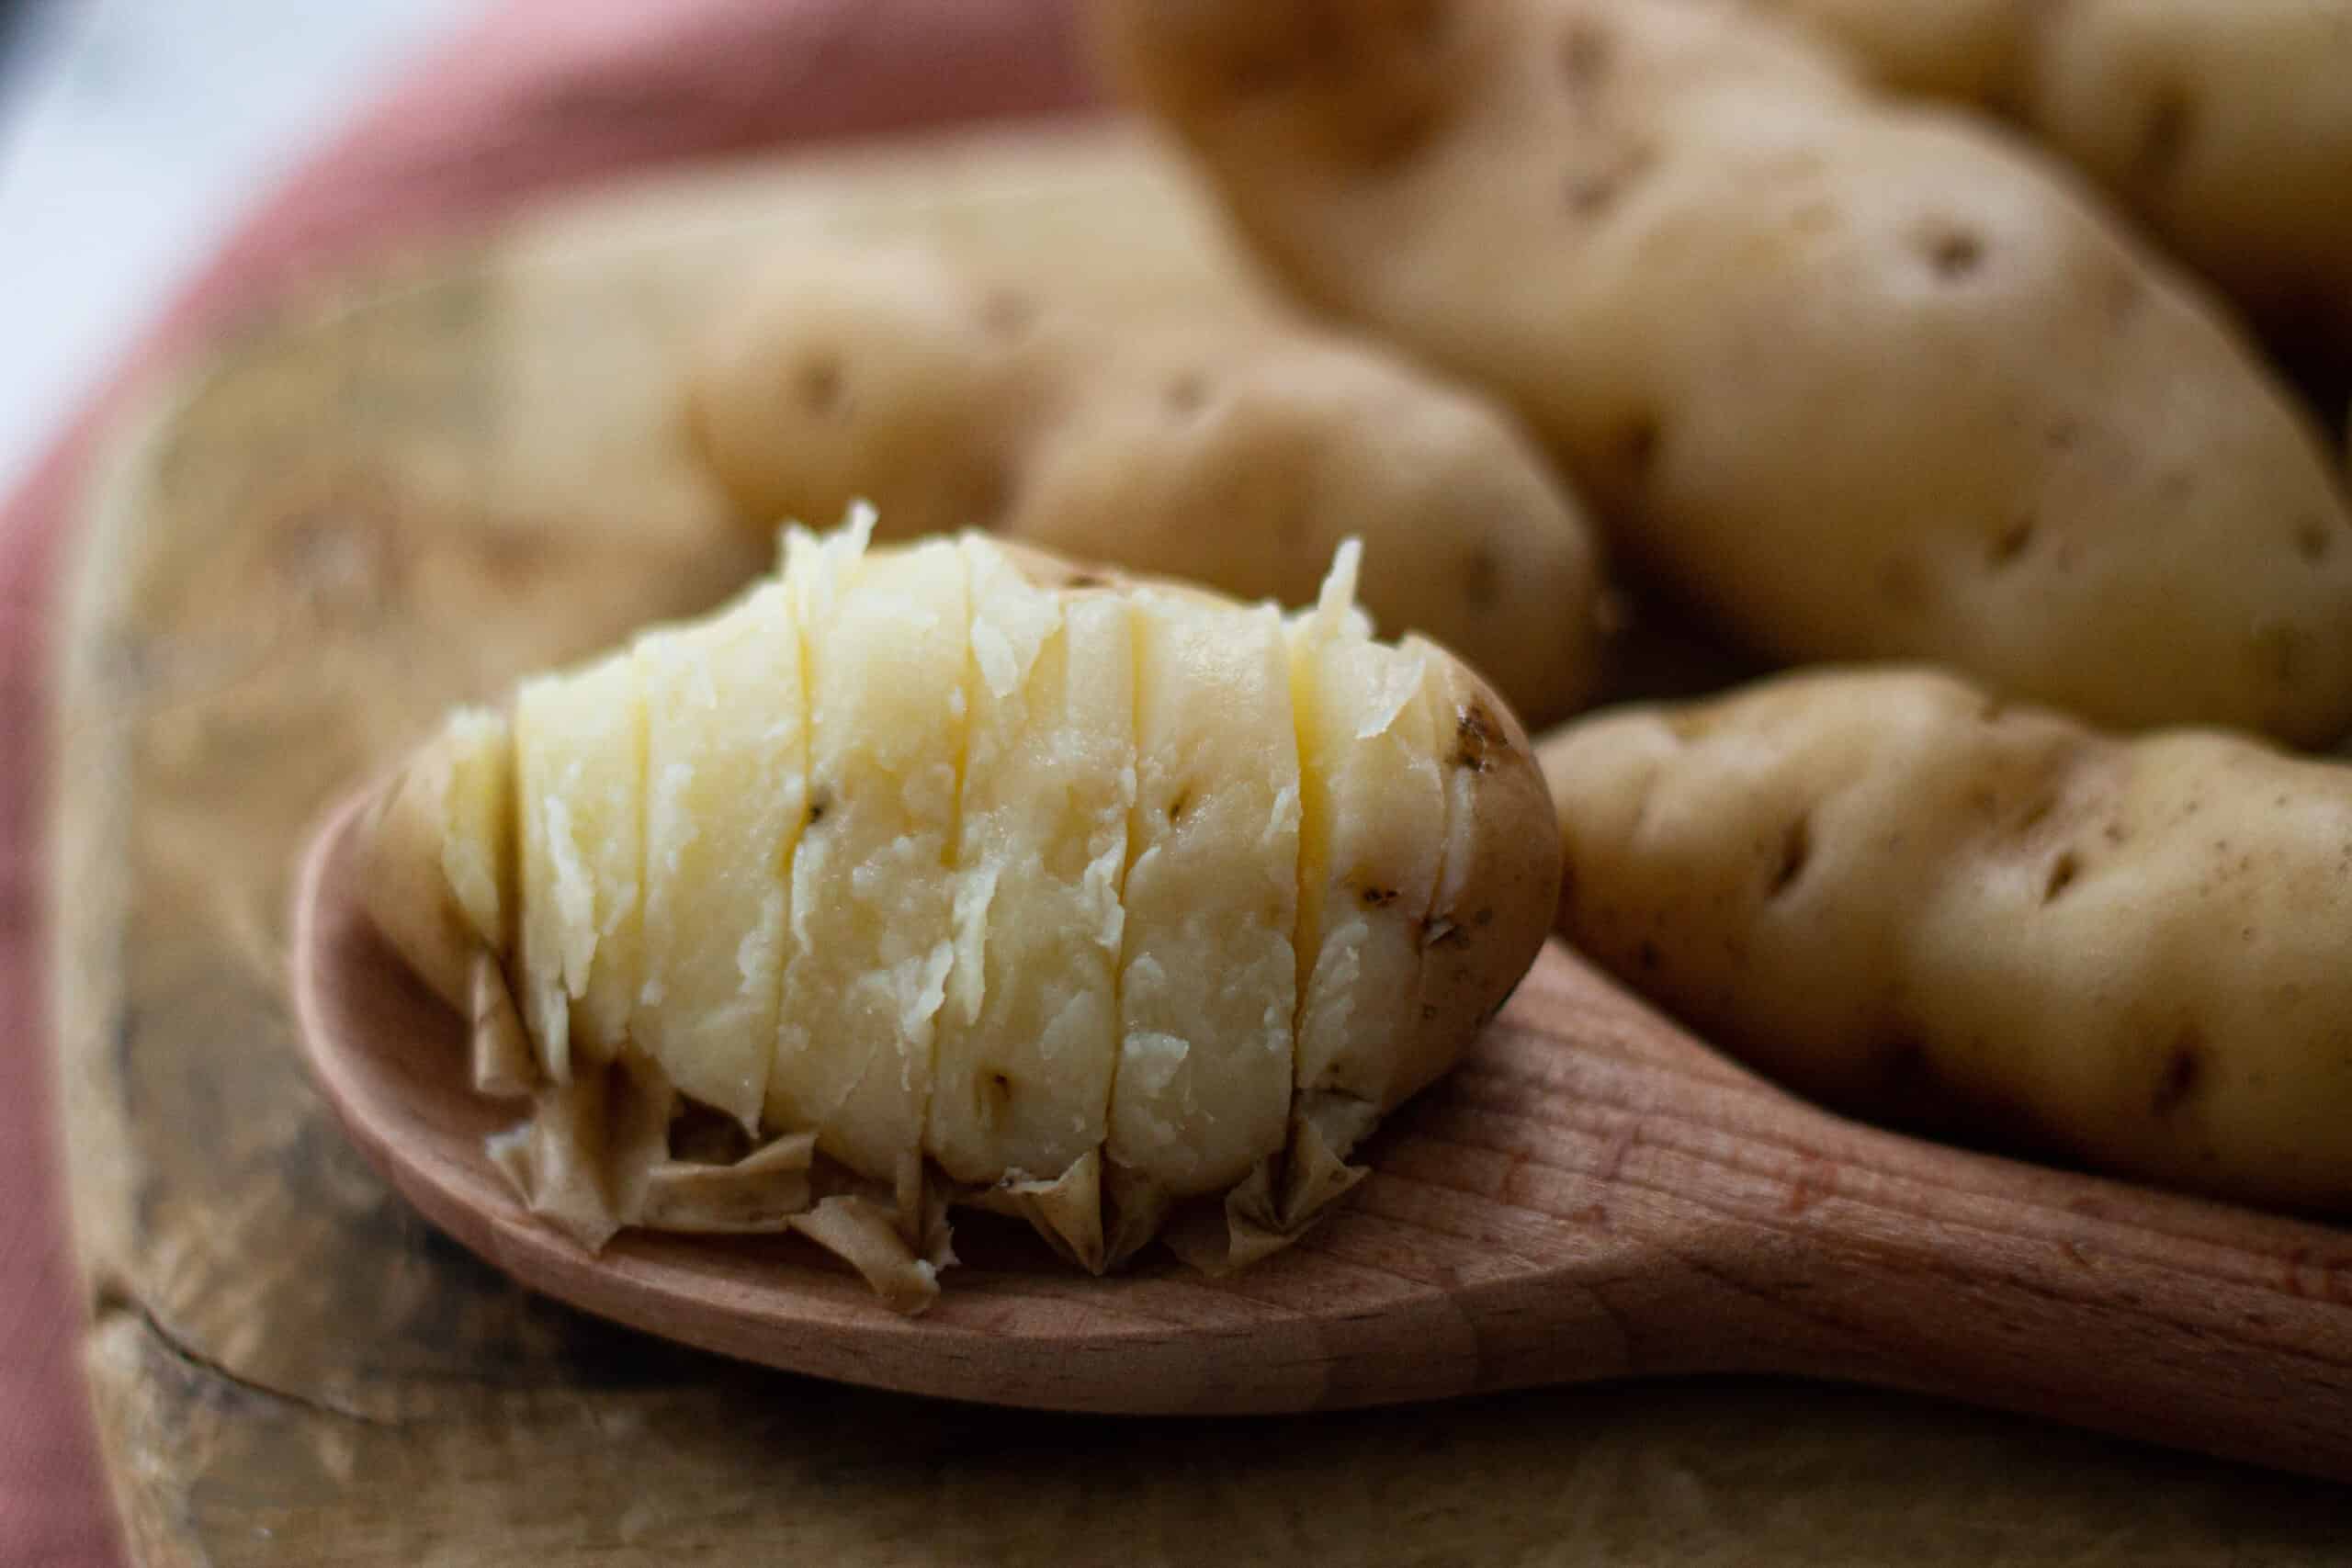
(1684, 1216)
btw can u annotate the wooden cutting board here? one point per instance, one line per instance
(403, 491)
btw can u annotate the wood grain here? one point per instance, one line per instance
(413, 487)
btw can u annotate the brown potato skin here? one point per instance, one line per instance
(1857, 379)
(1922, 905)
(1495, 898)
(1237, 454)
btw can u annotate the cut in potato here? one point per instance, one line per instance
(970, 876)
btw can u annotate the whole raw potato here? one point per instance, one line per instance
(1859, 380)
(2226, 127)
(1232, 453)
(957, 874)
(1921, 904)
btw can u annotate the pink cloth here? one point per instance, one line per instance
(541, 95)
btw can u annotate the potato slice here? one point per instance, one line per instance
(726, 784)
(1021, 1081)
(441, 853)
(1208, 977)
(885, 642)
(1372, 832)
(580, 777)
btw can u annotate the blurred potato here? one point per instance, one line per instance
(1231, 453)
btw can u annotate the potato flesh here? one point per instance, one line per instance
(580, 767)
(1208, 977)
(726, 781)
(885, 641)
(1022, 1074)
(1372, 831)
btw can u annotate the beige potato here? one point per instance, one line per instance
(1233, 454)
(1921, 904)
(965, 874)
(1858, 379)
(2225, 127)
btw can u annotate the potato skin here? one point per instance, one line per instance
(1923, 905)
(415, 821)
(1235, 454)
(1494, 899)
(1859, 381)
(2226, 127)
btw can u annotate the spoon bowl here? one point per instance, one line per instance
(1592, 1194)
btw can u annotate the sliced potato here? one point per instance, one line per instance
(580, 778)
(1371, 835)
(885, 641)
(1207, 975)
(971, 876)
(1021, 1080)
(726, 784)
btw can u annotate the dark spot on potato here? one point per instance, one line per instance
(1636, 443)
(1591, 192)
(819, 803)
(1796, 851)
(1378, 898)
(1007, 311)
(1585, 54)
(1477, 736)
(820, 385)
(2011, 543)
(2164, 133)
(1482, 579)
(2063, 871)
(2314, 540)
(1178, 803)
(1085, 579)
(2184, 1073)
(1393, 140)
(1952, 253)
(996, 1094)
(1186, 393)
(1483, 918)
(1439, 931)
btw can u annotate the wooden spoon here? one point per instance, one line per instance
(1592, 1194)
